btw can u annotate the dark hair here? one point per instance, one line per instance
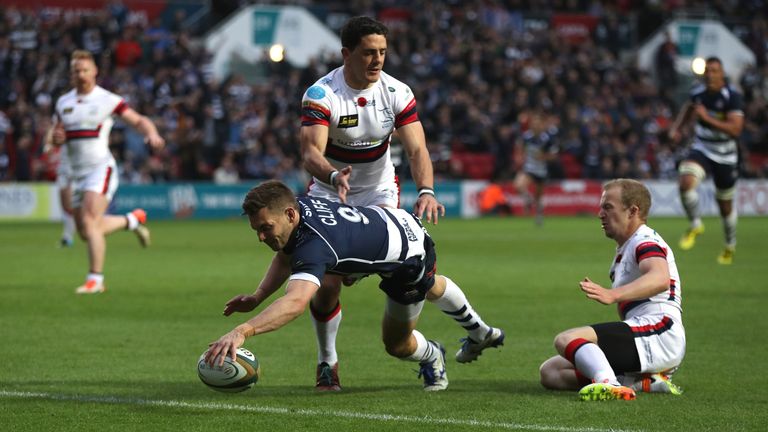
(713, 59)
(271, 194)
(357, 28)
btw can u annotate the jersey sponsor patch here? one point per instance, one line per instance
(316, 92)
(67, 110)
(348, 121)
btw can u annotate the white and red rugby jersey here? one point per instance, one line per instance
(87, 120)
(643, 244)
(360, 124)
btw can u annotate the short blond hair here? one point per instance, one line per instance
(81, 55)
(633, 192)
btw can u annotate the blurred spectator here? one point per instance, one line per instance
(482, 66)
(226, 173)
(128, 51)
(666, 73)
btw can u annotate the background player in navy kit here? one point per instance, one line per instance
(539, 148)
(649, 344)
(348, 119)
(314, 236)
(717, 108)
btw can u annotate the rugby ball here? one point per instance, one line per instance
(234, 376)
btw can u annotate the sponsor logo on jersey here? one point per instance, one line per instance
(391, 89)
(348, 121)
(68, 110)
(316, 92)
(389, 119)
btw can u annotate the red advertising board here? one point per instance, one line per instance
(563, 198)
(149, 8)
(574, 28)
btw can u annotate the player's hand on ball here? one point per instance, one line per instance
(240, 303)
(226, 346)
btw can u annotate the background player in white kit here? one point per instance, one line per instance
(348, 118)
(644, 349)
(83, 120)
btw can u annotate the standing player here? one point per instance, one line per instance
(314, 236)
(348, 118)
(539, 148)
(719, 119)
(649, 344)
(83, 120)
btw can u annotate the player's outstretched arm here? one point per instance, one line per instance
(415, 145)
(145, 126)
(276, 315)
(277, 273)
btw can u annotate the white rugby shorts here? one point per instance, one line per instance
(103, 180)
(386, 194)
(660, 342)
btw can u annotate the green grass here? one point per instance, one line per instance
(125, 360)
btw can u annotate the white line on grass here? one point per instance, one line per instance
(300, 412)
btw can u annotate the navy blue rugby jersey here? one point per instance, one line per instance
(341, 239)
(535, 146)
(714, 143)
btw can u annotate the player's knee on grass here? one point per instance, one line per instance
(554, 373)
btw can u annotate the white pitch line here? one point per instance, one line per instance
(300, 412)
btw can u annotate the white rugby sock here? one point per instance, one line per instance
(729, 226)
(326, 329)
(425, 351)
(590, 360)
(133, 222)
(68, 229)
(98, 277)
(454, 303)
(690, 200)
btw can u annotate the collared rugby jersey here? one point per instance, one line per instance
(646, 243)
(714, 143)
(360, 124)
(87, 120)
(341, 239)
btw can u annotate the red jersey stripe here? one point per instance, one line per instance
(648, 250)
(346, 155)
(408, 115)
(120, 108)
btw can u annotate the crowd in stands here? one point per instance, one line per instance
(475, 67)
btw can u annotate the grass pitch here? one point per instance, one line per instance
(125, 359)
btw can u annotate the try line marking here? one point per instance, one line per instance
(298, 412)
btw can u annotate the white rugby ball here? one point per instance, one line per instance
(234, 376)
